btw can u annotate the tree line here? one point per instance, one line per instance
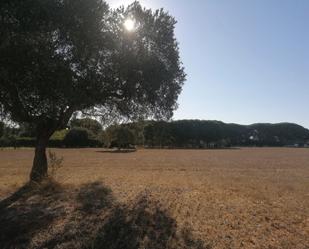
(216, 134)
(88, 132)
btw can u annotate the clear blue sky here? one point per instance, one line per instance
(247, 60)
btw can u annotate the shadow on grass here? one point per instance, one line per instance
(117, 151)
(193, 148)
(27, 212)
(88, 217)
(143, 225)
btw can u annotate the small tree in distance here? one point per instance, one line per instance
(63, 56)
(119, 136)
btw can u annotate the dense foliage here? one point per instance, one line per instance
(79, 137)
(87, 123)
(1, 129)
(176, 134)
(119, 136)
(203, 134)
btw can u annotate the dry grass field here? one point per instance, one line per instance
(238, 198)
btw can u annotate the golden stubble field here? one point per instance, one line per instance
(238, 198)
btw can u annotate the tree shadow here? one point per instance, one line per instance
(88, 217)
(93, 197)
(145, 224)
(117, 151)
(30, 209)
(92, 201)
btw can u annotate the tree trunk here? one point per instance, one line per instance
(39, 167)
(44, 131)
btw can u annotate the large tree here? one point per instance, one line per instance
(58, 57)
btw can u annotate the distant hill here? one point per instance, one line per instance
(207, 133)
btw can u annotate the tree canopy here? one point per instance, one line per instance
(210, 134)
(62, 56)
(87, 123)
(119, 136)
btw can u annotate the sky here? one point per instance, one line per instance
(247, 61)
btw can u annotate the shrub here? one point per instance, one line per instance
(87, 123)
(1, 129)
(56, 143)
(76, 137)
(25, 142)
(120, 136)
(59, 135)
(54, 162)
(7, 141)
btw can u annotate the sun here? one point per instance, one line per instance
(129, 24)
